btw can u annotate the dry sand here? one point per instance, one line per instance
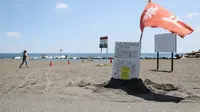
(74, 87)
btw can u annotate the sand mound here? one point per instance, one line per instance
(137, 86)
(165, 87)
(133, 86)
(193, 97)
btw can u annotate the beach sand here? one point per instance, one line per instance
(75, 87)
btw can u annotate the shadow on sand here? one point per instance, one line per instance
(165, 71)
(137, 88)
(151, 96)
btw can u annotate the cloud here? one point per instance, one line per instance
(13, 34)
(61, 6)
(192, 14)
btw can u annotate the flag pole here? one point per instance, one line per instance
(141, 37)
(142, 31)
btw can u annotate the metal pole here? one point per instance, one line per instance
(106, 55)
(141, 37)
(60, 54)
(157, 60)
(101, 56)
(172, 61)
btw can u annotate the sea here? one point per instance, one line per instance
(86, 55)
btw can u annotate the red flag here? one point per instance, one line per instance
(156, 16)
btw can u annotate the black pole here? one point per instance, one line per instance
(141, 37)
(157, 60)
(172, 61)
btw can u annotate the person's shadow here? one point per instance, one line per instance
(137, 88)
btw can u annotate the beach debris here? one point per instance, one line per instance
(193, 54)
(100, 65)
(83, 84)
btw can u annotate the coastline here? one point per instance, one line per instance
(79, 55)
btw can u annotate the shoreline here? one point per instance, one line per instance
(78, 55)
(80, 58)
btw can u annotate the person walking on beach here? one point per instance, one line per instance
(24, 59)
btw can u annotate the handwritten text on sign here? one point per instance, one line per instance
(127, 60)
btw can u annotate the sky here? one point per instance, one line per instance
(45, 26)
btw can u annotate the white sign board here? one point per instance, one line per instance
(126, 63)
(103, 42)
(165, 42)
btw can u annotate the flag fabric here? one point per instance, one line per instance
(156, 16)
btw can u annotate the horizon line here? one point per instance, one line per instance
(78, 53)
